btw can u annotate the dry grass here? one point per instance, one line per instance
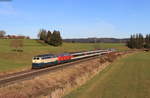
(14, 71)
(56, 84)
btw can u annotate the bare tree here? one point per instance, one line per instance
(17, 45)
(2, 33)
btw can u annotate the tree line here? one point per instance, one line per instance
(138, 41)
(52, 38)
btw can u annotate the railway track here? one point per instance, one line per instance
(30, 74)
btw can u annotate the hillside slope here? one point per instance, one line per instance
(128, 77)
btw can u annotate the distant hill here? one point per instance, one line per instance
(96, 40)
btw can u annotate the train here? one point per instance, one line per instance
(47, 60)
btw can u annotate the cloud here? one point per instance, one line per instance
(6, 8)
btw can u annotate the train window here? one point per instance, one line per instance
(37, 58)
(45, 57)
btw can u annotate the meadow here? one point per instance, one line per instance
(11, 60)
(128, 77)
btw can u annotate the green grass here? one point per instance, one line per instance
(128, 77)
(12, 60)
(118, 46)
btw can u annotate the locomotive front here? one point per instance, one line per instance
(45, 60)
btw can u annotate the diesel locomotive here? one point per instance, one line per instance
(46, 60)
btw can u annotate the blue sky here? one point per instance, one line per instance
(76, 18)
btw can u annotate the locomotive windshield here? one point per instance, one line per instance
(36, 58)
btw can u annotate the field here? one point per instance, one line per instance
(128, 77)
(11, 60)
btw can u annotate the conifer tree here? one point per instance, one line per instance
(48, 37)
(141, 41)
(56, 39)
(136, 41)
(53, 39)
(42, 35)
(130, 42)
(147, 41)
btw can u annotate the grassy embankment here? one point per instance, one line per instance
(10, 60)
(128, 77)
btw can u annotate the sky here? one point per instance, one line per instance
(76, 18)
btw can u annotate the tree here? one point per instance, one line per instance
(48, 37)
(42, 35)
(27, 37)
(147, 41)
(136, 41)
(131, 42)
(17, 45)
(56, 39)
(140, 41)
(2, 33)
